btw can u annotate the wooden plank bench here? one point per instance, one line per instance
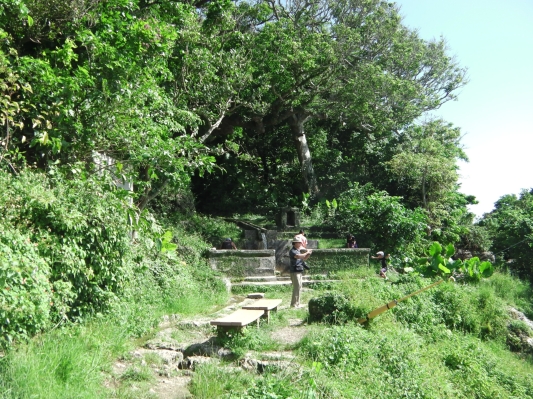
(266, 305)
(238, 319)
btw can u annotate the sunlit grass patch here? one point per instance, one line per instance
(57, 364)
(213, 381)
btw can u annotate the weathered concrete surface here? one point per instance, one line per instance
(266, 262)
(324, 261)
(243, 263)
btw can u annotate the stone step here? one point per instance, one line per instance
(304, 277)
(282, 282)
(260, 278)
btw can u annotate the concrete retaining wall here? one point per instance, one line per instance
(332, 260)
(265, 262)
(243, 263)
(324, 261)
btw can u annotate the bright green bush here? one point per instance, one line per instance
(80, 229)
(78, 235)
(26, 296)
(377, 220)
(332, 308)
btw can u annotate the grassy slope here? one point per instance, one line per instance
(445, 344)
(420, 349)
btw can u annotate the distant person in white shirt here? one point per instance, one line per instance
(301, 237)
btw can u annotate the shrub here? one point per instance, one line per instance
(81, 231)
(74, 239)
(331, 308)
(26, 296)
(377, 219)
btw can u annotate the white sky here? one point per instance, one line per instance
(494, 40)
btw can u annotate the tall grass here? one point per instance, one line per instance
(73, 362)
(512, 290)
(214, 381)
(64, 364)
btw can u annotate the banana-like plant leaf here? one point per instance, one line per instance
(435, 249)
(486, 269)
(450, 250)
(455, 264)
(444, 268)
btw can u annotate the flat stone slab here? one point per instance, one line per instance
(264, 304)
(255, 295)
(239, 318)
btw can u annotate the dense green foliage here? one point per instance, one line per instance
(270, 94)
(510, 225)
(236, 107)
(66, 253)
(378, 220)
(255, 104)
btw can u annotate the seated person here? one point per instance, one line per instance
(228, 244)
(350, 242)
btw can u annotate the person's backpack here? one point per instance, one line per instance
(226, 244)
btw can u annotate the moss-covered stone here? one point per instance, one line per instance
(243, 263)
(333, 260)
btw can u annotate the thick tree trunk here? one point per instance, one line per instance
(296, 122)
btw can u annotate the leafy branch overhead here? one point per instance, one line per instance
(173, 90)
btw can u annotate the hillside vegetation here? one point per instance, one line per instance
(130, 128)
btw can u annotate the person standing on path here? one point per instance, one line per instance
(383, 258)
(297, 260)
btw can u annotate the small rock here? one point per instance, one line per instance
(256, 295)
(192, 362)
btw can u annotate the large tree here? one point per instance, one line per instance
(351, 63)
(426, 165)
(103, 83)
(162, 86)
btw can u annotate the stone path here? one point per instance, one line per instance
(181, 344)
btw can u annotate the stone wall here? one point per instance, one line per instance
(243, 263)
(324, 261)
(266, 262)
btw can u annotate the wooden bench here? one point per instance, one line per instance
(266, 305)
(238, 319)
